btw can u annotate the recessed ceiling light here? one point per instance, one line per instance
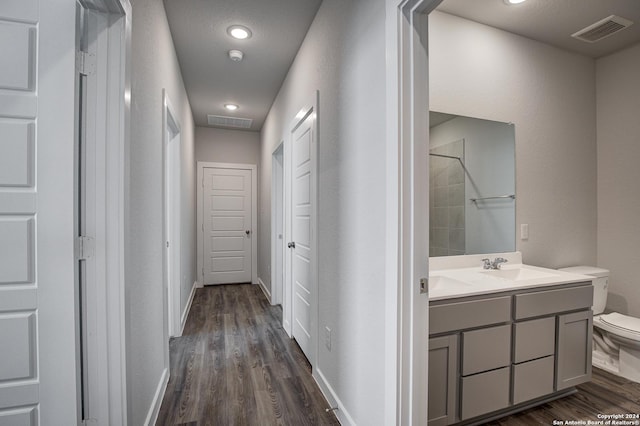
(510, 2)
(239, 32)
(231, 107)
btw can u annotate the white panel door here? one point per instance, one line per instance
(302, 199)
(19, 375)
(227, 225)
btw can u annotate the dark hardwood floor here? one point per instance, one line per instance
(235, 365)
(605, 394)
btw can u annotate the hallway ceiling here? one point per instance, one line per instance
(553, 21)
(199, 31)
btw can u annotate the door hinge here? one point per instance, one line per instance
(85, 247)
(86, 63)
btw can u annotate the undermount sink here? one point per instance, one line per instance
(439, 282)
(518, 274)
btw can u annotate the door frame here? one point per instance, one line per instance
(171, 153)
(408, 216)
(112, 113)
(277, 218)
(201, 165)
(310, 107)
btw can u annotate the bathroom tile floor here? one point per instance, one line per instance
(235, 365)
(606, 394)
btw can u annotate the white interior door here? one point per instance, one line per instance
(227, 224)
(302, 242)
(172, 187)
(19, 292)
(277, 226)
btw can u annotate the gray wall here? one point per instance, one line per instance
(154, 67)
(549, 94)
(227, 146)
(618, 95)
(343, 56)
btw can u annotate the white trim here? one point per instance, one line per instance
(332, 398)
(266, 292)
(171, 130)
(407, 74)
(113, 113)
(187, 309)
(277, 187)
(120, 42)
(201, 165)
(156, 402)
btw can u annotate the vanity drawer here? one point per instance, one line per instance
(532, 379)
(486, 349)
(534, 339)
(484, 393)
(474, 313)
(553, 301)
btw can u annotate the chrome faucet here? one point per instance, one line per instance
(495, 264)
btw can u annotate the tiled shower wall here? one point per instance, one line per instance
(447, 200)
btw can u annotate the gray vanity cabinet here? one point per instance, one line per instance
(469, 373)
(443, 379)
(484, 393)
(573, 329)
(486, 357)
(533, 363)
(495, 354)
(574, 349)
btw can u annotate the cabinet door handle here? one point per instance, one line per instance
(292, 244)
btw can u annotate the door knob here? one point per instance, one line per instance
(292, 244)
(247, 232)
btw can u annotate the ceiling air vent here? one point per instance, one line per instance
(602, 29)
(233, 122)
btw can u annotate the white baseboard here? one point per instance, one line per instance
(333, 400)
(264, 289)
(154, 410)
(187, 309)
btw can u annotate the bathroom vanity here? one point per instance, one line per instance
(504, 340)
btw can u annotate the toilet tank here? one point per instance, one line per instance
(600, 284)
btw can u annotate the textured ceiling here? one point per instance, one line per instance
(553, 21)
(199, 30)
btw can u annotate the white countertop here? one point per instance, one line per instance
(454, 278)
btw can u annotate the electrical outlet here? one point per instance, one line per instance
(524, 231)
(327, 338)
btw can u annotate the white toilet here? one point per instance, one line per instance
(616, 337)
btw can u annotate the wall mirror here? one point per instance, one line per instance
(471, 185)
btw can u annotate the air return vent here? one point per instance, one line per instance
(602, 29)
(233, 122)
